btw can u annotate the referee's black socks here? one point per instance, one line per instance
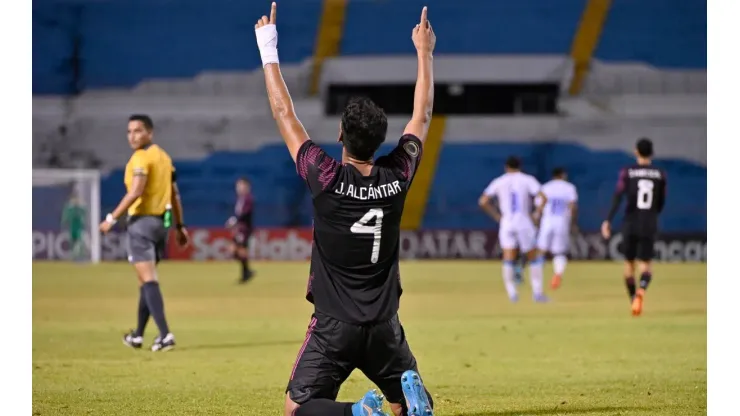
(143, 315)
(156, 306)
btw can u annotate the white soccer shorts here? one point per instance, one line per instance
(521, 236)
(554, 238)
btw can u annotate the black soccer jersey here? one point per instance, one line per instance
(354, 273)
(645, 187)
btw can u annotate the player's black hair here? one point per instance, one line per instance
(513, 162)
(244, 179)
(645, 147)
(558, 172)
(144, 119)
(364, 126)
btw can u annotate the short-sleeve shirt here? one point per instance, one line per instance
(154, 163)
(560, 194)
(354, 275)
(645, 187)
(515, 192)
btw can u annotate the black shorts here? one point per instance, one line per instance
(640, 247)
(333, 349)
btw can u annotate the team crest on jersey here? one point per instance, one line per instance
(411, 148)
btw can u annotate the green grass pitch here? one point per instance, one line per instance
(582, 354)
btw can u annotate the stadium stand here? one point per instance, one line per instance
(662, 33)
(121, 43)
(195, 75)
(520, 27)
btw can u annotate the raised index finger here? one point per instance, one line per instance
(423, 20)
(273, 13)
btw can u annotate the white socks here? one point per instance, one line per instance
(558, 263)
(267, 39)
(509, 283)
(535, 275)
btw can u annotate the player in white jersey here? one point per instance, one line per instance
(514, 191)
(558, 219)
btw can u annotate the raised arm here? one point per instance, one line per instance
(424, 41)
(293, 132)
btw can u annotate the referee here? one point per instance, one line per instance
(152, 202)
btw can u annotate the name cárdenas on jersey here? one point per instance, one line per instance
(651, 173)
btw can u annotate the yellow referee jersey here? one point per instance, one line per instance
(154, 163)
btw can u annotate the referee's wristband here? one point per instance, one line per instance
(109, 219)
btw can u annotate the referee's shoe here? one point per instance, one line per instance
(132, 340)
(164, 344)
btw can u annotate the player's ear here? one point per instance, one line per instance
(339, 139)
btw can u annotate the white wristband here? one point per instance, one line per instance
(267, 39)
(109, 219)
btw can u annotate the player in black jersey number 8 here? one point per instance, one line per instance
(645, 187)
(354, 281)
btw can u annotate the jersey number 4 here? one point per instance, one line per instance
(361, 227)
(645, 194)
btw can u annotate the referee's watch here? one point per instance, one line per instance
(109, 219)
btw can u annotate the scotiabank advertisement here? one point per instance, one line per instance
(265, 244)
(294, 244)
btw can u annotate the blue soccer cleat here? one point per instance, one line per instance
(370, 405)
(416, 397)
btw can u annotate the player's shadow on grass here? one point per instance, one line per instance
(560, 410)
(237, 345)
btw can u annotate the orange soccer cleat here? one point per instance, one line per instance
(555, 282)
(637, 302)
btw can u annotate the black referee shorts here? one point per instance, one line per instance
(333, 349)
(638, 247)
